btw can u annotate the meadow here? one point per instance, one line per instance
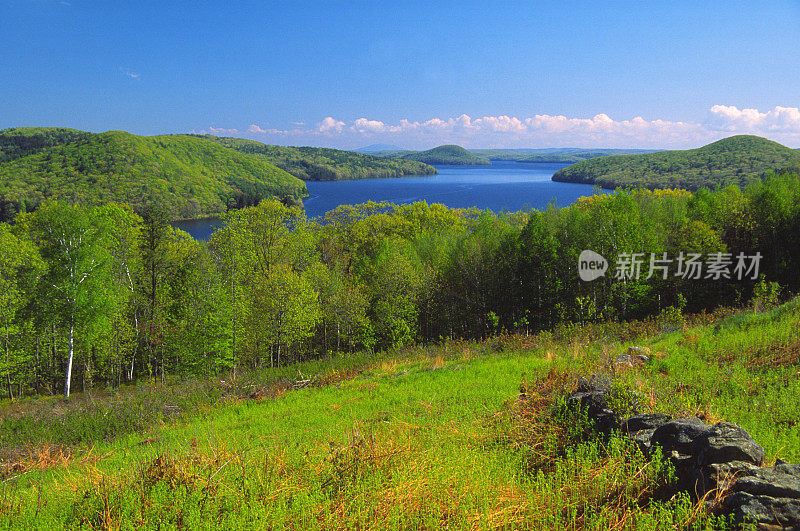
(418, 437)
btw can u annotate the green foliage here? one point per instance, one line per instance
(273, 287)
(189, 176)
(448, 154)
(18, 142)
(766, 295)
(424, 437)
(736, 160)
(324, 164)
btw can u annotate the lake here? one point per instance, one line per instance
(508, 186)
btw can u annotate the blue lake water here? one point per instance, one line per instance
(508, 186)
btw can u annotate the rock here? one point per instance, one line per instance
(594, 403)
(763, 510)
(723, 476)
(768, 496)
(679, 435)
(643, 439)
(724, 442)
(596, 382)
(623, 360)
(722, 456)
(640, 428)
(647, 421)
(782, 481)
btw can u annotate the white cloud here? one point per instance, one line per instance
(784, 120)
(330, 125)
(220, 131)
(541, 130)
(132, 75)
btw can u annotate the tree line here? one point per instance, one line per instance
(99, 296)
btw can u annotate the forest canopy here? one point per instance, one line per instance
(325, 164)
(189, 177)
(272, 287)
(449, 154)
(735, 160)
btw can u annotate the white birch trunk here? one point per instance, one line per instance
(68, 376)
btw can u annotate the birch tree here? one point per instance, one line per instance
(71, 244)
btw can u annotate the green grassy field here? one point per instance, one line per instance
(430, 437)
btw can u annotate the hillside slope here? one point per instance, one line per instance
(325, 164)
(734, 160)
(17, 142)
(452, 435)
(449, 154)
(191, 177)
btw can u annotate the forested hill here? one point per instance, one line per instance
(190, 177)
(734, 160)
(324, 164)
(449, 154)
(17, 142)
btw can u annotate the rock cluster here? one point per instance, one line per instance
(721, 456)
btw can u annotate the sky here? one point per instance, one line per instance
(411, 74)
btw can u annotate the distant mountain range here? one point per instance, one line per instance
(451, 154)
(377, 147)
(562, 155)
(734, 160)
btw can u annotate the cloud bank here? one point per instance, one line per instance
(542, 130)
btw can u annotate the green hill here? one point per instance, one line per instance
(324, 164)
(734, 160)
(449, 154)
(192, 177)
(17, 142)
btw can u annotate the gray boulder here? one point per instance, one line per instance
(768, 512)
(640, 428)
(597, 410)
(724, 442)
(679, 435)
(646, 421)
(781, 481)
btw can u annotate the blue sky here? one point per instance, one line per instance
(346, 74)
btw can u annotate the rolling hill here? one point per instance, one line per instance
(324, 164)
(191, 177)
(449, 154)
(734, 160)
(17, 142)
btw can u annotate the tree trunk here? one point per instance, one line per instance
(38, 367)
(8, 369)
(70, 352)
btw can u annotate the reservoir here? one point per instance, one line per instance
(503, 186)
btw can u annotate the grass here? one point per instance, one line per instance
(424, 437)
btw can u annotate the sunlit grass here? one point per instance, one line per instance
(430, 437)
